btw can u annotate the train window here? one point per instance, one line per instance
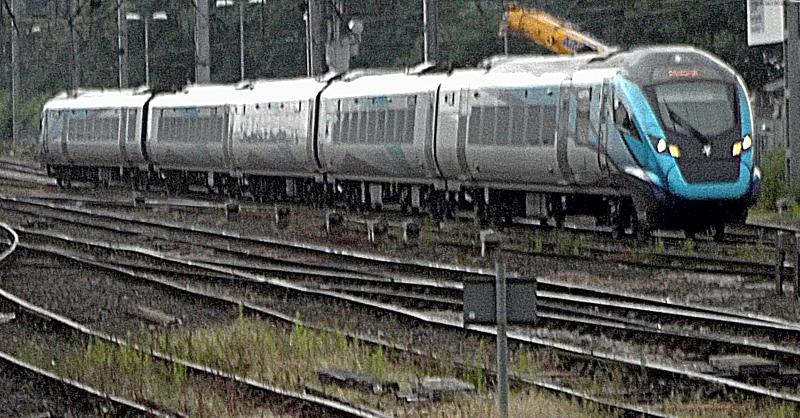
(339, 127)
(380, 126)
(488, 120)
(352, 127)
(362, 127)
(473, 131)
(518, 126)
(408, 137)
(582, 123)
(548, 118)
(503, 119)
(533, 125)
(372, 126)
(623, 121)
(389, 126)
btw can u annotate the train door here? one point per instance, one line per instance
(565, 133)
(582, 152)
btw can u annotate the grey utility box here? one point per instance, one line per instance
(480, 303)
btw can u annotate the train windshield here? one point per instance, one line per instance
(701, 109)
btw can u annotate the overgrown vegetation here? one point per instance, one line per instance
(288, 359)
(773, 186)
(29, 116)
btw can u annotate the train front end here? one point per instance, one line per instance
(686, 119)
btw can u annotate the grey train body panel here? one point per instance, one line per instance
(94, 129)
(261, 128)
(273, 134)
(521, 129)
(379, 127)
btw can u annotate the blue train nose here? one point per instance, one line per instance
(679, 186)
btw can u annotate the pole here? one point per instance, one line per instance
(780, 257)
(122, 42)
(505, 33)
(307, 19)
(317, 39)
(431, 13)
(146, 19)
(202, 56)
(792, 90)
(502, 338)
(14, 73)
(75, 41)
(241, 40)
(796, 262)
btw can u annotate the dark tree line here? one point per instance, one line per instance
(393, 37)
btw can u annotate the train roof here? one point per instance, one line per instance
(247, 92)
(383, 84)
(99, 99)
(537, 64)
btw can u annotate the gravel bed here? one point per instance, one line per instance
(99, 299)
(26, 393)
(590, 340)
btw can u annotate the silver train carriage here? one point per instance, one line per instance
(94, 135)
(230, 136)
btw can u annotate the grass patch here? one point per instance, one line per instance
(291, 358)
(134, 375)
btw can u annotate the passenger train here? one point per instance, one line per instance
(655, 137)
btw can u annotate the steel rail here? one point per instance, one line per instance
(515, 336)
(592, 297)
(667, 307)
(125, 404)
(263, 311)
(86, 389)
(14, 241)
(330, 405)
(445, 268)
(613, 323)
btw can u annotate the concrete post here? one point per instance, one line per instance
(122, 42)
(502, 316)
(780, 256)
(792, 90)
(15, 79)
(431, 17)
(796, 262)
(202, 56)
(75, 43)
(317, 38)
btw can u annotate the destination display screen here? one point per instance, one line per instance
(681, 72)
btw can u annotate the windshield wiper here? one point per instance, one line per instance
(683, 123)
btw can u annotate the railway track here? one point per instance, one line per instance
(760, 263)
(209, 381)
(33, 391)
(441, 271)
(148, 272)
(759, 322)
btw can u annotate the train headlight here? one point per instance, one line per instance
(737, 149)
(747, 142)
(674, 151)
(661, 146)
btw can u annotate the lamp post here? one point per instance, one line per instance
(147, 17)
(15, 79)
(227, 3)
